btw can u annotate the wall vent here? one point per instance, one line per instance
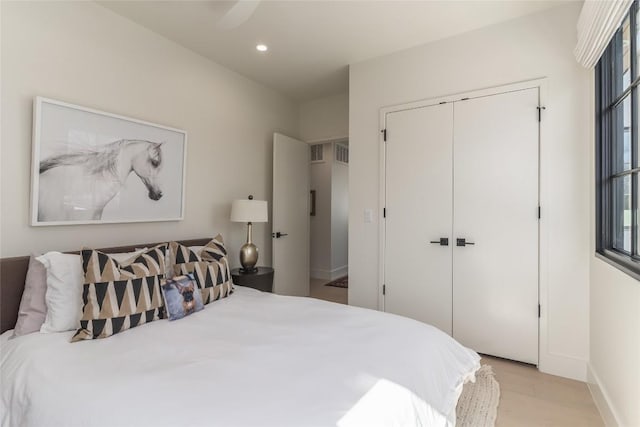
(317, 152)
(342, 153)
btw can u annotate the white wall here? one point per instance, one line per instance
(325, 118)
(339, 219)
(321, 120)
(613, 371)
(320, 239)
(330, 225)
(82, 53)
(615, 343)
(536, 46)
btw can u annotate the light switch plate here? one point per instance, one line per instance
(368, 215)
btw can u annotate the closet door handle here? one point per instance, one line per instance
(444, 241)
(463, 242)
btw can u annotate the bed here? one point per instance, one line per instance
(251, 359)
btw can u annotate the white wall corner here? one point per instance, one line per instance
(602, 401)
(563, 366)
(339, 272)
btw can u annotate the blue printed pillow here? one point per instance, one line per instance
(182, 297)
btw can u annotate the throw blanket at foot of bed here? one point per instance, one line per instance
(478, 403)
(252, 359)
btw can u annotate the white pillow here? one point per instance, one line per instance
(65, 279)
(64, 291)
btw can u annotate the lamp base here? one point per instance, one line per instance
(249, 257)
(249, 271)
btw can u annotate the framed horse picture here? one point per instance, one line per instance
(92, 167)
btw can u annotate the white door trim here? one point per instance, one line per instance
(544, 357)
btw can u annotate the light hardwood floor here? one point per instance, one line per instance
(528, 398)
(327, 293)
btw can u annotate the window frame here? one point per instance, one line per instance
(608, 96)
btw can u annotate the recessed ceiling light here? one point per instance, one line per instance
(262, 47)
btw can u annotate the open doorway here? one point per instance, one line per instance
(329, 222)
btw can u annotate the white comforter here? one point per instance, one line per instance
(253, 359)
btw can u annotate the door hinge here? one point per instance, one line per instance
(384, 289)
(384, 212)
(384, 135)
(539, 212)
(538, 311)
(540, 112)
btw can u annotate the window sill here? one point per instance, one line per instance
(621, 262)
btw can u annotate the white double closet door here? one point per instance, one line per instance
(466, 170)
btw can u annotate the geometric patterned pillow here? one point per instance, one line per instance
(100, 267)
(209, 266)
(118, 296)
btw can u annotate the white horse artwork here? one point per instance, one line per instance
(77, 186)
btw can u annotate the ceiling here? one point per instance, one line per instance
(311, 43)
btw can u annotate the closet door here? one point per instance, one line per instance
(418, 205)
(495, 280)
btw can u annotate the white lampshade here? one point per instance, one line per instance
(249, 211)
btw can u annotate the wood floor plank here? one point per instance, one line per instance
(531, 398)
(327, 293)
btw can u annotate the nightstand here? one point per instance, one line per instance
(261, 280)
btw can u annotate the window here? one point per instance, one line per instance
(342, 153)
(317, 152)
(617, 166)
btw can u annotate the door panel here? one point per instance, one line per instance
(290, 216)
(418, 205)
(495, 281)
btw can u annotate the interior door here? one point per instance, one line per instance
(495, 272)
(290, 232)
(418, 163)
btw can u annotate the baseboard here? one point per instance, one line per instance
(600, 398)
(339, 272)
(320, 274)
(563, 366)
(334, 274)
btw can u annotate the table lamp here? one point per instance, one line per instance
(249, 211)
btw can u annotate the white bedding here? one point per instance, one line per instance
(253, 359)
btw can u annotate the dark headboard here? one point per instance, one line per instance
(13, 272)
